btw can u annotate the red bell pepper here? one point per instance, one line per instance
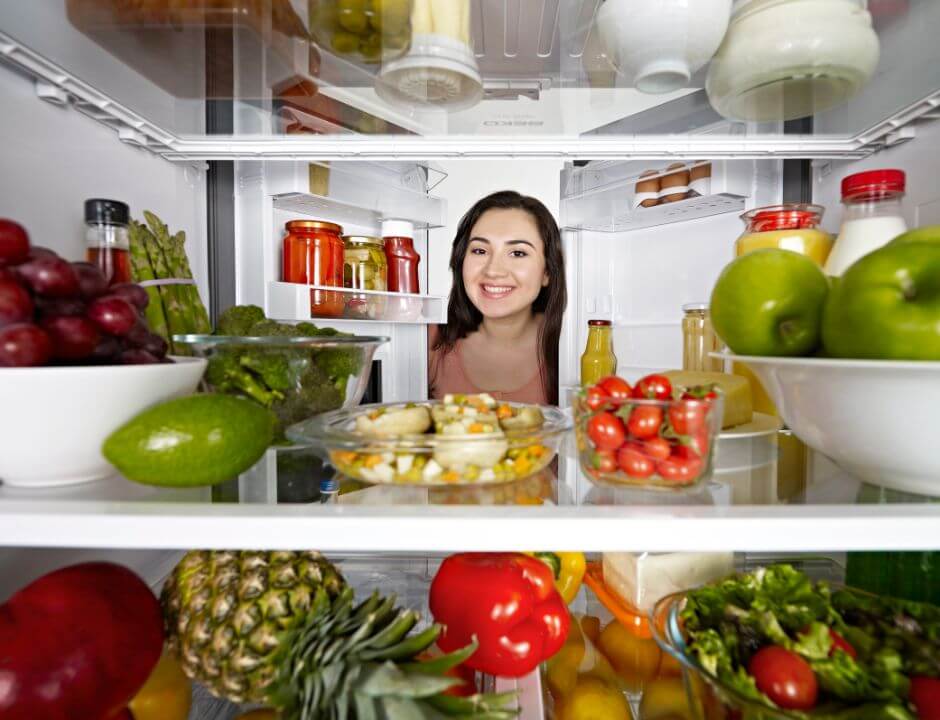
(508, 601)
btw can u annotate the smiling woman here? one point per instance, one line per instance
(505, 310)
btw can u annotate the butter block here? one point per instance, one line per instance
(739, 405)
(642, 579)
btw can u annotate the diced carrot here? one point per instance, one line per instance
(343, 457)
(522, 465)
(504, 412)
(372, 460)
(476, 427)
(450, 477)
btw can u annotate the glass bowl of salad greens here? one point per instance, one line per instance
(772, 644)
(295, 370)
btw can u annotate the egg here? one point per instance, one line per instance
(647, 191)
(700, 179)
(674, 186)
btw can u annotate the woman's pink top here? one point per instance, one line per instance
(446, 374)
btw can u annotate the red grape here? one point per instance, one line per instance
(113, 315)
(91, 280)
(38, 251)
(50, 308)
(7, 274)
(133, 293)
(14, 243)
(49, 276)
(24, 345)
(73, 338)
(155, 345)
(16, 305)
(136, 356)
(108, 348)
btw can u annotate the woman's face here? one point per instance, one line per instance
(504, 268)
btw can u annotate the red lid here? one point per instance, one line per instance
(873, 184)
(598, 323)
(789, 216)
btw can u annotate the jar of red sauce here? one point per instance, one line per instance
(401, 255)
(313, 255)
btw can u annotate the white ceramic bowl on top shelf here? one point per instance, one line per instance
(53, 420)
(660, 45)
(876, 419)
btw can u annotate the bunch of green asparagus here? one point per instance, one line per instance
(174, 309)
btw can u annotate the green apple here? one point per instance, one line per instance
(887, 305)
(928, 233)
(769, 302)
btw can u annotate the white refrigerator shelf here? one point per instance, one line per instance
(292, 301)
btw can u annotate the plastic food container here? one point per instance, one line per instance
(322, 373)
(787, 59)
(313, 255)
(691, 454)
(427, 458)
(368, 31)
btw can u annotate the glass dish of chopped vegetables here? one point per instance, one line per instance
(461, 440)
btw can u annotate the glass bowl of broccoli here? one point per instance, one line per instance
(295, 370)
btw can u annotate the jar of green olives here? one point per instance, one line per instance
(368, 30)
(365, 268)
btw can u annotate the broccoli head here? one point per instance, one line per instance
(226, 373)
(238, 320)
(273, 368)
(338, 364)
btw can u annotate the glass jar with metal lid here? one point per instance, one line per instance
(313, 255)
(365, 268)
(699, 340)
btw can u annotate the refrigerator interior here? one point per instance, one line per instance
(122, 112)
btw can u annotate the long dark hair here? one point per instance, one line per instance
(463, 317)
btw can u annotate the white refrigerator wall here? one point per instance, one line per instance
(54, 158)
(919, 158)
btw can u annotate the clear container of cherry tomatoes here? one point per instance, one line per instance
(652, 436)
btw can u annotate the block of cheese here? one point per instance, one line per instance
(642, 579)
(739, 407)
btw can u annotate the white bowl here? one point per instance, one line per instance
(53, 420)
(877, 419)
(659, 44)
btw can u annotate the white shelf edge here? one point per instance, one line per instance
(666, 214)
(323, 207)
(831, 528)
(291, 301)
(135, 129)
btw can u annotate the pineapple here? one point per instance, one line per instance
(225, 612)
(283, 629)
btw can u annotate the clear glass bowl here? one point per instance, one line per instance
(485, 459)
(708, 697)
(691, 457)
(311, 375)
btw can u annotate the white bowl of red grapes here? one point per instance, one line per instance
(77, 360)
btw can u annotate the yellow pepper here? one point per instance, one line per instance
(568, 569)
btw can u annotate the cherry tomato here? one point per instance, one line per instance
(680, 470)
(696, 445)
(657, 448)
(605, 461)
(687, 416)
(840, 643)
(925, 694)
(617, 389)
(606, 431)
(595, 398)
(784, 677)
(644, 421)
(653, 387)
(634, 463)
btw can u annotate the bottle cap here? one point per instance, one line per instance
(873, 183)
(398, 228)
(106, 212)
(598, 323)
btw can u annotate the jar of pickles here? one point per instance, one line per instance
(370, 31)
(365, 268)
(313, 255)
